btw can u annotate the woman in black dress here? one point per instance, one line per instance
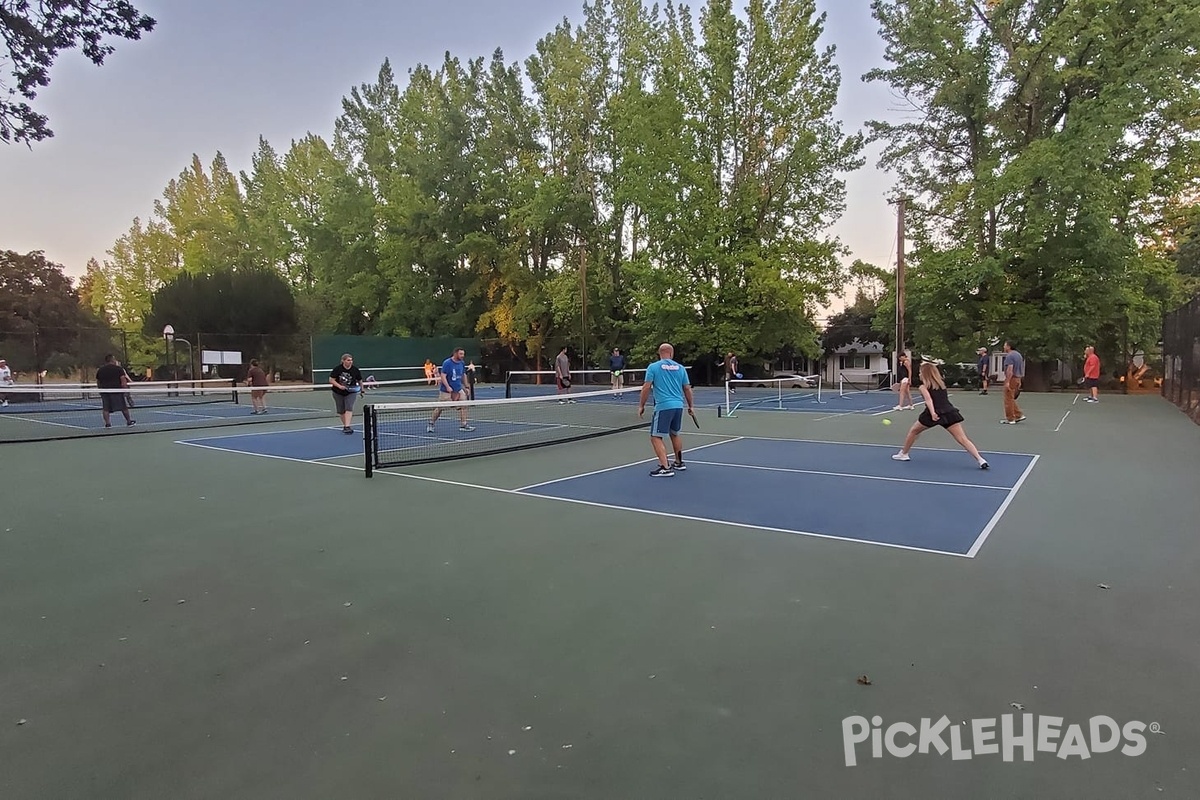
(938, 411)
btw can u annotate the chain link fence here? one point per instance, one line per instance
(1181, 358)
(50, 355)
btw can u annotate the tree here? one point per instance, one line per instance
(857, 323)
(33, 38)
(255, 301)
(42, 321)
(1045, 139)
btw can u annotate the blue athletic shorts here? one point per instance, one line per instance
(666, 421)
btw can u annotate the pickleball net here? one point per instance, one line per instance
(771, 393)
(38, 412)
(863, 383)
(532, 383)
(399, 434)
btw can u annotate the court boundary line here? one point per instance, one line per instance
(632, 510)
(859, 444)
(619, 466)
(995, 520)
(1060, 422)
(259, 433)
(9, 415)
(270, 455)
(970, 554)
(854, 475)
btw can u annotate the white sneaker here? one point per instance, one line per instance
(897, 408)
(429, 429)
(901, 457)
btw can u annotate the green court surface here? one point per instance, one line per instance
(188, 622)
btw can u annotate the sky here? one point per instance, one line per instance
(215, 75)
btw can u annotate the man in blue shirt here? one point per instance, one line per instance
(616, 365)
(450, 389)
(668, 379)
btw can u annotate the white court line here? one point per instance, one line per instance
(268, 455)
(259, 433)
(848, 413)
(916, 405)
(522, 493)
(667, 514)
(856, 444)
(853, 475)
(47, 422)
(1064, 419)
(620, 466)
(1000, 511)
(1076, 400)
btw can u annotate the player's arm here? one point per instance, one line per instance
(643, 396)
(691, 400)
(928, 401)
(443, 383)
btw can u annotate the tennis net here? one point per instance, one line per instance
(771, 393)
(859, 383)
(68, 398)
(64, 411)
(532, 383)
(406, 433)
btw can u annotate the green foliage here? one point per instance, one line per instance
(43, 325)
(33, 34)
(241, 301)
(1048, 138)
(662, 180)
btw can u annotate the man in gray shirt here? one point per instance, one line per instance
(1014, 373)
(562, 375)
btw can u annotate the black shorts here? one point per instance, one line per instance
(952, 417)
(1091, 383)
(112, 401)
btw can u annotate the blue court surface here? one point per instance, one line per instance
(939, 502)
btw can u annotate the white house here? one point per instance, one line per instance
(866, 363)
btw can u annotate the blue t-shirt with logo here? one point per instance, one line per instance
(454, 372)
(667, 378)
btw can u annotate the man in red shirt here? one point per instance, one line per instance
(1091, 373)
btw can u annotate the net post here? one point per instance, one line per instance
(233, 384)
(368, 439)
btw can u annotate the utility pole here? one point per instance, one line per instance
(583, 303)
(900, 206)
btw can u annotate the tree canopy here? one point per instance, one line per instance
(33, 35)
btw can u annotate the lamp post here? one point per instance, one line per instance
(168, 337)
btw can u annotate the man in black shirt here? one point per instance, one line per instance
(346, 381)
(112, 376)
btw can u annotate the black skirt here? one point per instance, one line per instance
(945, 419)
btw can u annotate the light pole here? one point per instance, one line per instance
(168, 337)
